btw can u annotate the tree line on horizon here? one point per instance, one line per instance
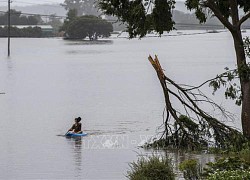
(18, 19)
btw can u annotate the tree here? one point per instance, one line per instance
(71, 15)
(86, 7)
(145, 16)
(87, 26)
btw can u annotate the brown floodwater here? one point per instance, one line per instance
(110, 84)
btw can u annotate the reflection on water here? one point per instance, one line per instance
(87, 42)
(84, 44)
(85, 52)
(178, 156)
(76, 146)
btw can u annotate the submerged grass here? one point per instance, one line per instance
(231, 163)
(151, 168)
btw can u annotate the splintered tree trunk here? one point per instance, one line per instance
(187, 131)
(245, 83)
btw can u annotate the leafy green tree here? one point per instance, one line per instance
(86, 7)
(142, 17)
(88, 26)
(71, 15)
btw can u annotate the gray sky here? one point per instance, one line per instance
(33, 2)
(30, 2)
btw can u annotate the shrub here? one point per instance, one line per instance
(191, 169)
(151, 168)
(231, 174)
(245, 153)
(226, 164)
(227, 168)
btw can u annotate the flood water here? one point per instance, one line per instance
(110, 84)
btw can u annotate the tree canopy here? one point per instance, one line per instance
(142, 17)
(87, 26)
(86, 7)
(138, 15)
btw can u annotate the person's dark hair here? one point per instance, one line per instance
(79, 119)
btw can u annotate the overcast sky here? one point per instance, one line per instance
(33, 2)
(29, 2)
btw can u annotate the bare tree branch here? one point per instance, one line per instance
(243, 19)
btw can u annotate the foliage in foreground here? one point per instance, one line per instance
(233, 165)
(151, 168)
(226, 164)
(230, 175)
(232, 168)
(191, 169)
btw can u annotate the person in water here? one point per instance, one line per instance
(77, 126)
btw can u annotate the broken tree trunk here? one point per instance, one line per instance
(182, 130)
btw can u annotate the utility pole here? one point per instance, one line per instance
(8, 27)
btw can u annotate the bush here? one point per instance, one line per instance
(231, 174)
(226, 164)
(151, 168)
(191, 169)
(245, 154)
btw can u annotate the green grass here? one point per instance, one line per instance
(151, 168)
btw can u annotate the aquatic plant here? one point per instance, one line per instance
(191, 169)
(151, 168)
